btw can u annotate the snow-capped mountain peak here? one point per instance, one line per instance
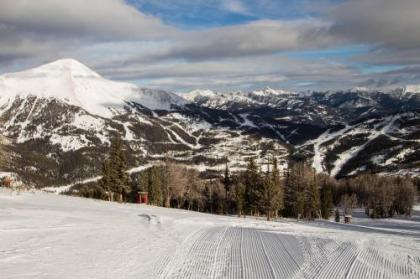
(193, 95)
(65, 66)
(412, 88)
(269, 91)
(74, 83)
(359, 89)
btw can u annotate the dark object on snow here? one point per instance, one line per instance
(337, 216)
(347, 219)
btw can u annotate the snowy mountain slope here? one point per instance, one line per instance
(59, 119)
(56, 236)
(336, 131)
(62, 134)
(70, 81)
(219, 100)
(196, 95)
(383, 144)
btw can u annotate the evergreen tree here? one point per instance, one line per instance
(166, 189)
(214, 195)
(269, 194)
(165, 186)
(155, 186)
(239, 195)
(118, 165)
(252, 182)
(301, 192)
(326, 199)
(194, 192)
(114, 170)
(142, 180)
(293, 192)
(227, 182)
(312, 201)
(105, 182)
(278, 184)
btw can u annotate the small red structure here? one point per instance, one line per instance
(7, 181)
(143, 197)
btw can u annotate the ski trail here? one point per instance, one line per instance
(351, 267)
(344, 158)
(318, 154)
(242, 254)
(267, 258)
(215, 260)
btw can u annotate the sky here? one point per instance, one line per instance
(224, 45)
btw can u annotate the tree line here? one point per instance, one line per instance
(298, 192)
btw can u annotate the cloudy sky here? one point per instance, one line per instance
(180, 45)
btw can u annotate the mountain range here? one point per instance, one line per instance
(57, 120)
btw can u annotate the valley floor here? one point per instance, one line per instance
(51, 236)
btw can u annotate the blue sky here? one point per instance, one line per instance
(203, 14)
(181, 45)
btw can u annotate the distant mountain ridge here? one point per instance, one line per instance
(58, 120)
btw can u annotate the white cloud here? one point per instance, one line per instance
(44, 29)
(122, 42)
(252, 39)
(107, 19)
(235, 6)
(388, 23)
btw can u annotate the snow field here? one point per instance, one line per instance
(55, 236)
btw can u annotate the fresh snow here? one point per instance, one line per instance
(62, 189)
(198, 94)
(386, 127)
(193, 95)
(319, 152)
(270, 91)
(54, 236)
(247, 122)
(343, 158)
(69, 143)
(72, 82)
(412, 88)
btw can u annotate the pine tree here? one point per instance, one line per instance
(267, 197)
(239, 193)
(278, 184)
(252, 182)
(293, 191)
(326, 199)
(114, 170)
(154, 186)
(105, 182)
(301, 192)
(226, 180)
(312, 201)
(166, 192)
(226, 184)
(269, 194)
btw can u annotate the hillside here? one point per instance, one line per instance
(58, 120)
